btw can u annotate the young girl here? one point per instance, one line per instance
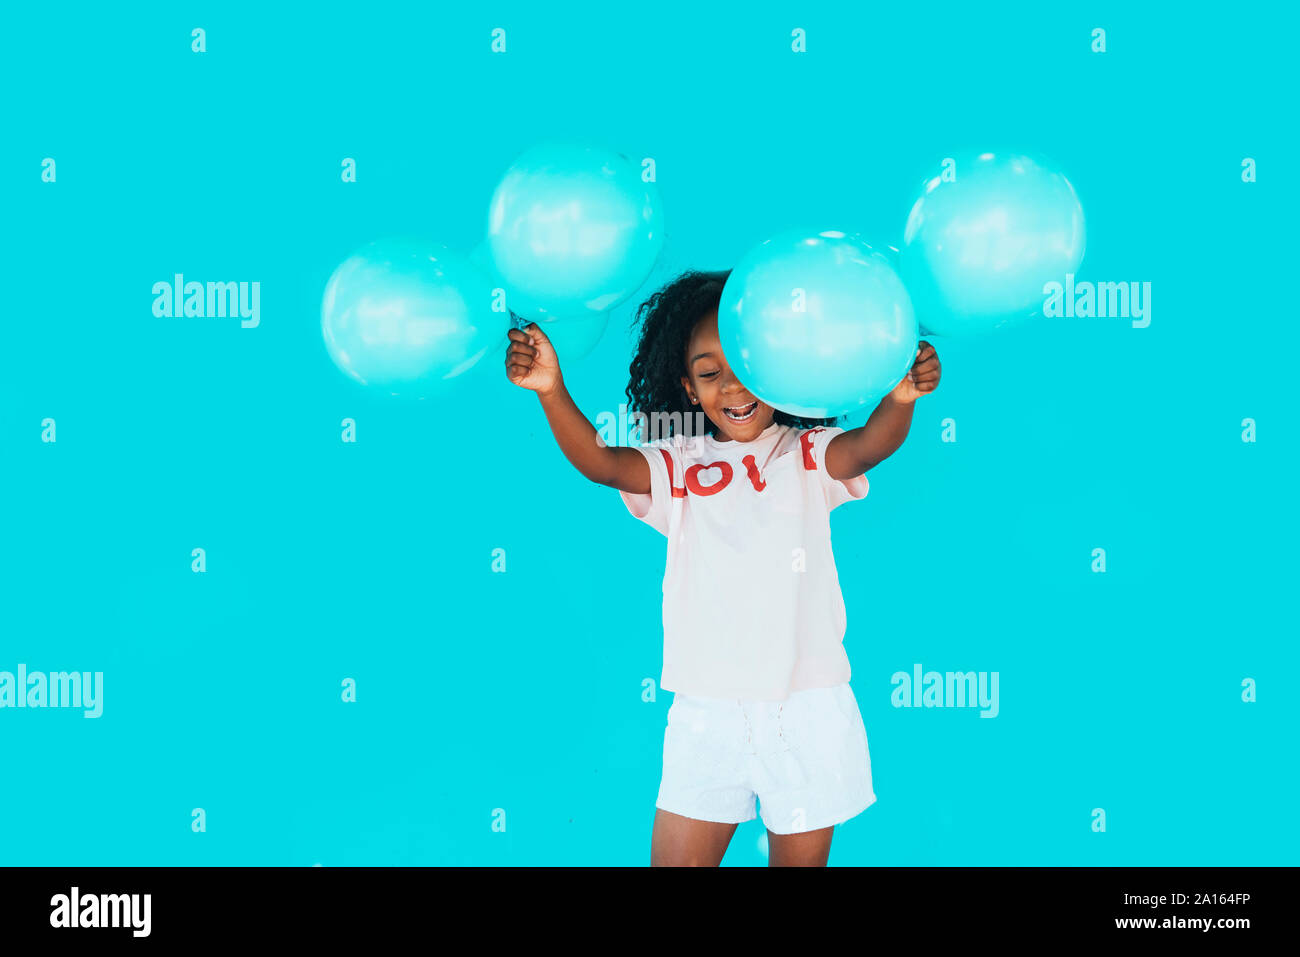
(753, 615)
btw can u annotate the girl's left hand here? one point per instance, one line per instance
(922, 379)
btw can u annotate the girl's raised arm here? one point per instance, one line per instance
(531, 363)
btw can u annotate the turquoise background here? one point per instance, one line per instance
(524, 690)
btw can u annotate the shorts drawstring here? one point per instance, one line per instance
(749, 731)
(749, 728)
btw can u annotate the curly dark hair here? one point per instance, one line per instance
(667, 319)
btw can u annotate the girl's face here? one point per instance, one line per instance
(709, 382)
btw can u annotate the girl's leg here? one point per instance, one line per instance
(809, 849)
(685, 842)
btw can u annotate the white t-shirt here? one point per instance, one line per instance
(752, 603)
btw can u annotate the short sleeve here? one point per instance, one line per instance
(655, 508)
(837, 492)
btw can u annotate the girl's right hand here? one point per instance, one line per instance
(531, 362)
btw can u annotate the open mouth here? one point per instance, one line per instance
(741, 413)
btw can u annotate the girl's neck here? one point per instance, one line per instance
(732, 443)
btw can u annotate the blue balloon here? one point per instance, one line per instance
(574, 338)
(983, 239)
(890, 252)
(817, 324)
(409, 316)
(573, 230)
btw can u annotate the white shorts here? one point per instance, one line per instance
(805, 759)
